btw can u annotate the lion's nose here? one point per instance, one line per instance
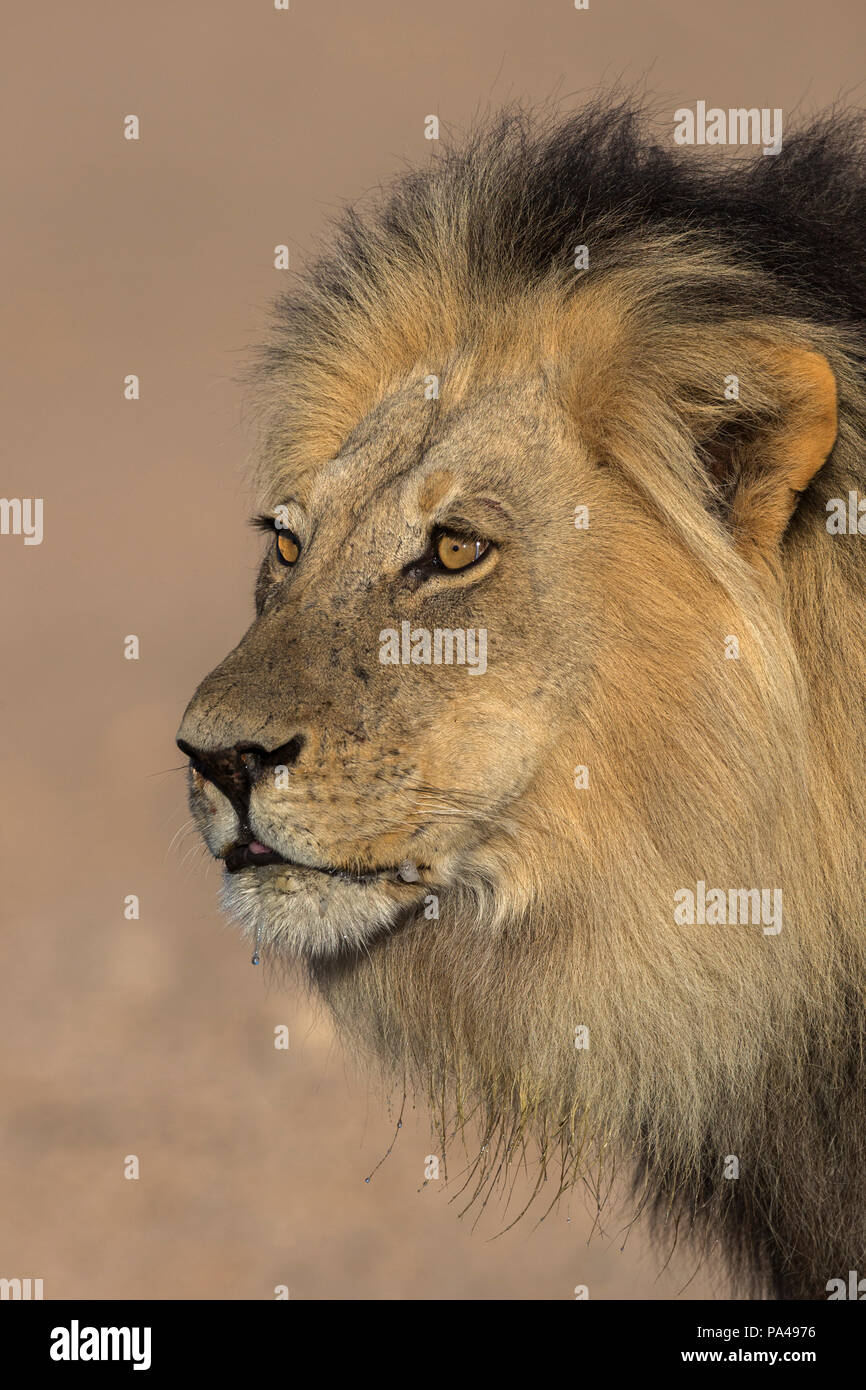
(234, 770)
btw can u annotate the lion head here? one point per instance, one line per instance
(551, 641)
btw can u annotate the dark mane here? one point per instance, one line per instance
(516, 196)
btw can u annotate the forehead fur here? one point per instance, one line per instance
(465, 270)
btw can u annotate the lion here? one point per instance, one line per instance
(597, 407)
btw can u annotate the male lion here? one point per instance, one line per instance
(602, 890)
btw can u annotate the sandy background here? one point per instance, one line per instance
(155, 1037)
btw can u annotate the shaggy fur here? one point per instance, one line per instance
(605, 388)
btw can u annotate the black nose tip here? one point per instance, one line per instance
(233, 770)
(230, 769)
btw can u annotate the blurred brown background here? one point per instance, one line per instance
(155, 1037)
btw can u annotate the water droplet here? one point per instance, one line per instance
(366, 1180)
(258, 942)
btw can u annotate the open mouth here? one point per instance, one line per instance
(252, 854)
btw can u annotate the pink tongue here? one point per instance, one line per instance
(255, 848)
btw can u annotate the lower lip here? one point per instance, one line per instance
(258, 856)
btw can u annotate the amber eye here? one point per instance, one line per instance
(456, 552)
(288, 547)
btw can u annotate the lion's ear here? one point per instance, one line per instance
(776, 441)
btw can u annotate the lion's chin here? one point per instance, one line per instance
(299, 911)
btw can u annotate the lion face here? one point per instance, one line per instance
(369, 742)
(460, 610)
